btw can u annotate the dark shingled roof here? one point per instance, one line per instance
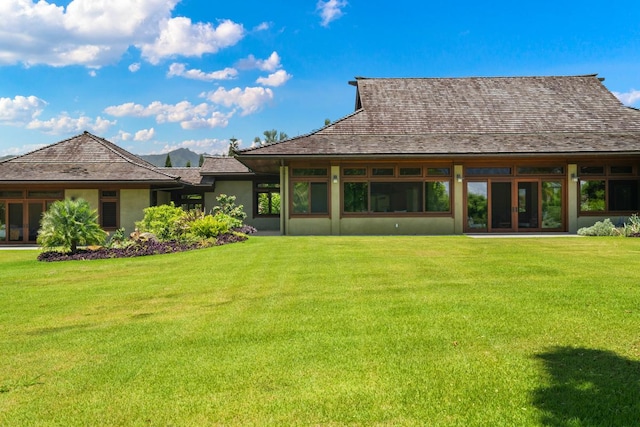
(83, 158)
(216, 165)
(461, 116)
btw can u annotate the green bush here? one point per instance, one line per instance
(165, 221)
(209, 226)
(632, 226)
(227, 205)
(600, 228)
(68, 224)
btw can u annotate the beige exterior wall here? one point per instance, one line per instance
(398, 225)
(132, 205)
(309, 227)
(572, 200)
(163, 197)
(91, 195)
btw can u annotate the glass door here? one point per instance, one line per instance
(501, 206)
(35, 213)
(15, 222)
(528, 206)
(552, 213)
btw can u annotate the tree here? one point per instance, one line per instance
(201, 160)
(188, 163)
(234, 145)
(167, 162)
(270, 137)
(327, 122)
(69, 224)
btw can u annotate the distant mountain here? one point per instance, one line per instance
(178, 157)
(5, 157)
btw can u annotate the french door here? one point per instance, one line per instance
(20, 221)
(513, 205)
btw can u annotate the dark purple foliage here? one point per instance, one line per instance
(246, 229)
(137, 249)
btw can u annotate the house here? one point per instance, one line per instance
(116, 183)
(461, 155)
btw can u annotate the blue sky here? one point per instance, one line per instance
(156, 75)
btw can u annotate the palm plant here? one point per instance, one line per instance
(68, 224)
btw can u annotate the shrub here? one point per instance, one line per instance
(68, 224)
(165, 221)
(227, 205)
(600, 228)
(209, 226)
(632, 227)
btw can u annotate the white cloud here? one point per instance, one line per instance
(250, 100)
(178, 36)
(66, 124)
(278, 78)
(262, 26)
(628, 98)
(270, 64)
(177, 69)
(96, 33)
(208, 145)
(93, 73)
(20, 109)
(330, 10)
(135, 67)
(144, 135)
(188, 115)
(122, 136)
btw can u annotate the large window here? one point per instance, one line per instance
(310, 191)
(396, 189)
(608, 188)
(109, 209)
(267, 198)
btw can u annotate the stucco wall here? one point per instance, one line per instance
(132, 204)
(309, 226)
(398, 225)
(91, 195)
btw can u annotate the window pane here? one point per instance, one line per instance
(356, 197)
(11, 194)
(477, 211)
(382, 171)
(310, 172)
(623, 195)
(540, 170)
(109, 214)
(268, 203)
(109, 193)
(621, 170)
(437, 196)
(354, 171)
(301, 197)
(591, 170)
(3, 224)
(410, 171)
(396, 196)
(439, 171)
(319, 199)
(45, 194)
(592, 196)
(488, 171)
(275, 203)
(551, 204)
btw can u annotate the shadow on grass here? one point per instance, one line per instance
(589, 388)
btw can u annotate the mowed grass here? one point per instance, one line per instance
(438, 331)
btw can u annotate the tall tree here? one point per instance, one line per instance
(201, 160)
(188, 163)
(233, 146)
(167, 162)
(271, 136)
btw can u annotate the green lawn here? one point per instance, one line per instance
(438, 331)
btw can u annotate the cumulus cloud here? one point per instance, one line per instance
(188, 115)
(272, 63)
(278, 78)
(262, 26)
(249, 99)
(207, 145)
(144, 135)
(628, 98)
(96, 33)
(330, 10)
(135, 67)
(66, 124)
(20, 109)
(179, 36)
(180, 70)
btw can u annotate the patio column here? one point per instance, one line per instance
(335, 200)
(458, 200)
